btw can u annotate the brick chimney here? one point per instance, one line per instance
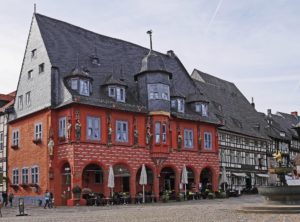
(295, 114)
(269, 112)
(252, 102)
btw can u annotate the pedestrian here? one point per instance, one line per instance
(47, 199)
(10, 199)
(0, 209)
(4, 198)
(51, 200)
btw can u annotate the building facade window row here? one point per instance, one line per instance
(28, 175)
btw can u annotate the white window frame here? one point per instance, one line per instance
(84, 87)
(93, 131)
(15, 137)
(180, 103)
(25, 176)
(120, 94)
(74, 84)
(158, 91)
(28, 98)
(35, 174)
(38, 131)
(198, 108)
(157, 132)
(204, 109)
(208, 141)
(62, 127)
(121, 134)
(164, 133)
(173, 103)
(20, 102)
(112, 91)
(188, 138)
(15, 176)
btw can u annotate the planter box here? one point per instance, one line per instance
(76, 202)
(37, 141)
(15, 147)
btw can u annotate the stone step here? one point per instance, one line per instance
(278, 209)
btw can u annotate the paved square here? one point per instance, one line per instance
(223, 210)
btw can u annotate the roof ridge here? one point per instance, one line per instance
(95, 33)
(210, 75)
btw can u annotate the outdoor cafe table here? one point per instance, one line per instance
(108, 200)
(124, 199)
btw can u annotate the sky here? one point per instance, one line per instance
(254, 44)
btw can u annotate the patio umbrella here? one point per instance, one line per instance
(224, 178)
(184, 178)
(143, 180)
(111, 179)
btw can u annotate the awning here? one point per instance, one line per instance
(239, 174)
(262, 175)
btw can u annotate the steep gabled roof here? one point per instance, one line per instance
(230, 106)
(66, 43)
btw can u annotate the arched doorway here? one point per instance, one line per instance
(122, 178)
(206, 179)
(149, 186)
(167, 179)
(191, 179)
(92, 178)
(66, 178)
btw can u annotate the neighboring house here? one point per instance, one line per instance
(283, 129)
(6, 101)
(242, 138)
(86, 102)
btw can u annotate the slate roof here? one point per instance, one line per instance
(286, 123)
(230, 106)
(65, 43)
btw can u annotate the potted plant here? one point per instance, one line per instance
(211, 195)
(165, 197)
(180, 197)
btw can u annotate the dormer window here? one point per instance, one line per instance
(198, 108)
(117, 92)
(204, 109)
(111, 91)
(158, 91)
(120, 94)
(178, 105)
(74, 84)
(282, 134)
(84, 87)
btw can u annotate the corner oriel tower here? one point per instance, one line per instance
(154, 77)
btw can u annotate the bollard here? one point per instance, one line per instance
(21, 207)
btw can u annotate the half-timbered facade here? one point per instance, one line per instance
(6, 101)
(242, 139)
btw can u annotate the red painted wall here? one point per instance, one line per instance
(80, 154)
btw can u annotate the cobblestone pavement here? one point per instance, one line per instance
(223, 210)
